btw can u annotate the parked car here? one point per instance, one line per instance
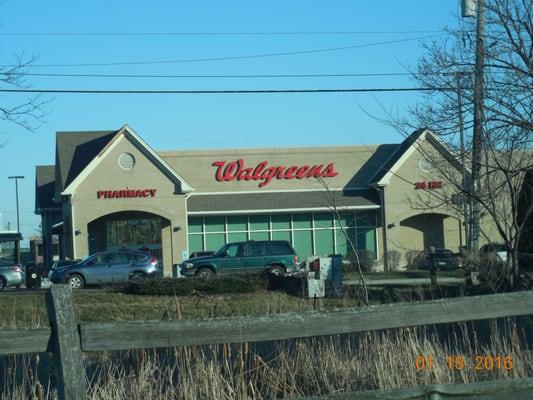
(276, 257)
(10, 274)
(444, 259)
(197, 254)
(113, 266)
(493, 251)
(57, 264)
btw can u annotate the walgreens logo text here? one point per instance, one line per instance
(236, 170)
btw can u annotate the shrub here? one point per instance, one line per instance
(245, 283)
(411, 258)
(366, 258)
(394, 258)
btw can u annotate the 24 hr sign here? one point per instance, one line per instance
(423, 185)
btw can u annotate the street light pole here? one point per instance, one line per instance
(16, 178)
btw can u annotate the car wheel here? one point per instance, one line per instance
(276, 270)
(76, 281)
(137, 276)
(205, 273)
(3, 283)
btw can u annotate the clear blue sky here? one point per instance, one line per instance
(208, 121)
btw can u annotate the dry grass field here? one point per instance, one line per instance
(317, 366)
(285, 369)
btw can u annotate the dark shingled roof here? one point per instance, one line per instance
(281, 200)
(402, 148)
(44, 187)
(74, 151)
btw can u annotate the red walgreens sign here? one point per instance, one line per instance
(125, 193)
(236, 170)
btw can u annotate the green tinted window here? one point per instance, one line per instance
(281, 235)
(324, 242)
(195, 243)
(323, 220)
(366, 239)
(195, 224)
(237, 237)
(281, 221)
(343, 241)
(214, 224)
(366, 218)
(237, 223)
(346, 220)
(301, 221)
(214, 241)
(258, 235)
(259, 222)
(303, 242)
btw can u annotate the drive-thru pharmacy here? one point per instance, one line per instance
(110, 190)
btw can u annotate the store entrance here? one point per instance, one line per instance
(132, 230)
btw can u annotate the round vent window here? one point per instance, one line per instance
(425, 165)
(126, 161)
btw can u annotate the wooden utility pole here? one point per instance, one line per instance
(479, 117)
(463, 204)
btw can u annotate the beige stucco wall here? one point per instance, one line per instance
(108, 175)
(404, 204)
(196, 166)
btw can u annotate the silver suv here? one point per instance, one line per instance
(115, 266)
(10, 274)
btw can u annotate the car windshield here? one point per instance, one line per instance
(221, 250)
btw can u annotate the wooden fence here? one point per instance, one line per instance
(67, 339)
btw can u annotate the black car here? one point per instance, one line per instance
(114, 266)
(444, 259)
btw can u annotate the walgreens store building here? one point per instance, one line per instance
(111, 190)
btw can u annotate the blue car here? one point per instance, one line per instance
(115, 266)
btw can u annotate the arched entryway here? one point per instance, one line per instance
(134, 230)
(426, 230)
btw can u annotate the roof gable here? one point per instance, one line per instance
(182, 186)
(410, 145)
(74, 151)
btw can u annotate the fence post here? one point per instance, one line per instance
(66, 343)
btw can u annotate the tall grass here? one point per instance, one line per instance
(315, 366)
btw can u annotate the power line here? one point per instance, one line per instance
(209, 76)
(264, 55)
(228, 91)
(282, 33)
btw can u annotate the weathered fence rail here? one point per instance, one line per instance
(67, 339)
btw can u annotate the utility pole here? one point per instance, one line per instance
(479, 118)
(16, 178)
(463, 202)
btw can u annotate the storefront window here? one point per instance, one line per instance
(131, 232)
(309, 233)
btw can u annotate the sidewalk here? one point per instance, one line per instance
(404, 281)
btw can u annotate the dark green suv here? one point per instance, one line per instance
(274, 256)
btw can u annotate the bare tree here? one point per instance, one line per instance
(29, 112)
(507, 139)
(331, 202)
